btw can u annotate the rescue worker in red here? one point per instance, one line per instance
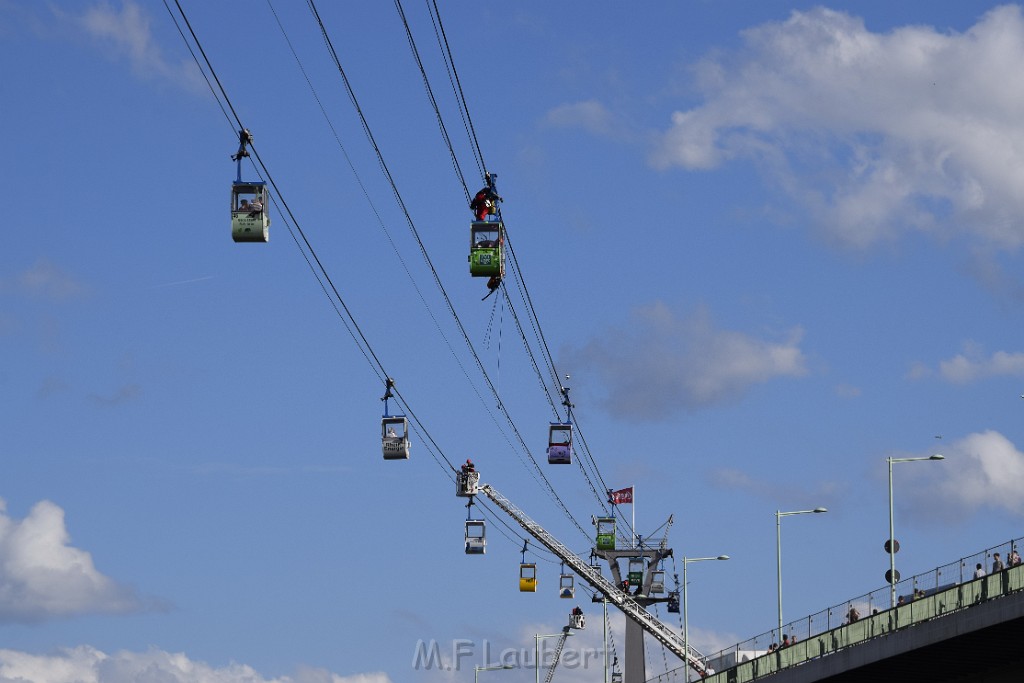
(485, 203)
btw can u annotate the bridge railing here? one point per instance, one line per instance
(920, 597)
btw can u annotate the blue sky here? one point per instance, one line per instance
(772, 245)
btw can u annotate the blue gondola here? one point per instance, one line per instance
(250, 217)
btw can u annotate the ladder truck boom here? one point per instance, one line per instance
(592, 575)
(558, 653)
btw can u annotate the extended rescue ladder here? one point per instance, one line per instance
(558, 654)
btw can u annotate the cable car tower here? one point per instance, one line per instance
(250, 220)
(644, 561)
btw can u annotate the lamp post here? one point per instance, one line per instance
(686, 616)
(778, 551)
(478, 669)
(536, 647)
(892, 532)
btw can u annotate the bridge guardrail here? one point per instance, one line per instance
(942, 590)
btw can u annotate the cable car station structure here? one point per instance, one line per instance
(643, 563)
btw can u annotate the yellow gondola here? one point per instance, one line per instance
(527, 577)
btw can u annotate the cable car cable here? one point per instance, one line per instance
(430, 96)
(463, 108)
(319, 271)
(380, 158)
(453, 77)
(196, 60)
(391, 241)
(365, 348)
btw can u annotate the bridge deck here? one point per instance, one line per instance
(968, 632)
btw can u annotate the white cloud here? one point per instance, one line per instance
(42, 577)
(591, 115)
(847, 391)
(874, 133)
(45, 280)
(663, 365)
(85, 664)
(126, 32)
(982, 471)
(972, 365)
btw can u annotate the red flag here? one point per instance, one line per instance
(621, 497)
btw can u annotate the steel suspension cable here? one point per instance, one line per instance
(480, 366)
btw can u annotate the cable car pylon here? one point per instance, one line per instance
(633, 605)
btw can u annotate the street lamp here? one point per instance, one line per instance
(536, 647)
(478, 669)
(778, 551)
(892, 533)
(686, 616)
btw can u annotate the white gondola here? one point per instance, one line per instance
(250, 215)
(560, 443)
(657, 582)
(466, 483)
(395, 437)
(577, 619)
(476, 537)
(250, 220)
(567, 586)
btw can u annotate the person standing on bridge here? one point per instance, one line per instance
(997, 564)
(979, 571)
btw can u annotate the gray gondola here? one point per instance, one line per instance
(476, 537)
(394, 431)
(250, 219)
(657, 582)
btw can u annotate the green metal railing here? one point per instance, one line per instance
(925, 596)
